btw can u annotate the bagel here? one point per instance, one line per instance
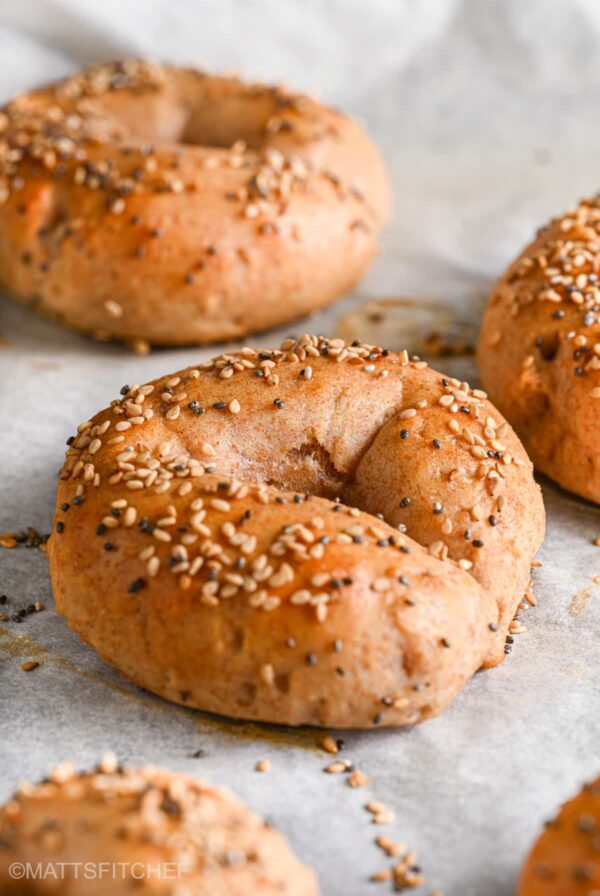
(157, 204)
(204, 541)
(565, 860)
(539, 349)
(114, 831)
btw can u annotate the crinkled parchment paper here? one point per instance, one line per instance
(487, 112)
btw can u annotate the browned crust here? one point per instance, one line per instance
(178, 562)
(565, 860)
(150, 830)
(118, 220)
(539, 349)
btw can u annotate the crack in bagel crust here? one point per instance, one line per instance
(133, 181)
(176, 560)
(539, 348)
(116, 830)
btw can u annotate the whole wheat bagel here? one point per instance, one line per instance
(565, 860)
(204, 541)
(115, 831)
(539, 350)
(156, 204)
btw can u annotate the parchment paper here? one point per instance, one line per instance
(487, 112)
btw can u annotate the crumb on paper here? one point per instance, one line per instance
(139, 347)
(29, 538)
(358, 779)
(420, 326)
(580, 601)
(380, 812)
(328, 744)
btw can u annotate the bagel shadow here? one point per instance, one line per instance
(46, 638)
(550, 485)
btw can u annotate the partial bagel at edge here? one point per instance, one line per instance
(114, 831)
(539, 349)
(326, 534)
(565, 859)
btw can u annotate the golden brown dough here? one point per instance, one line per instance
(159, 204)
(565, 860)
(539, 349)
(208, 539)
(115, 831)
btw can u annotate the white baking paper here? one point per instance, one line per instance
(487, 113)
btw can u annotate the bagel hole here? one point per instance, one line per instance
(548, 346)
(197, 131)
(217, 123)
(227, 120)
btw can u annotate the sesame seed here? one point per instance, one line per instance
(267, 673)
(29, 666)
(113, 308)
(336, 768)
(116, 206)
(136, 585)
(220, 504)
(357, 779)
(329, 744)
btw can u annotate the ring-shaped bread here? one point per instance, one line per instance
(156, 204)
(115, 831)
(328, 534)
(539, 349)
